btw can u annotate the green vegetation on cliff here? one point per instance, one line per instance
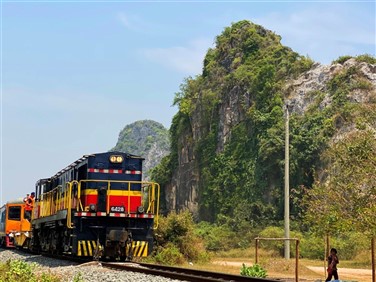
(232, 116)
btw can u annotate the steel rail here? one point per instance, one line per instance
(185, 274)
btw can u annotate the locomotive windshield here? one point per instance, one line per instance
(14, 213)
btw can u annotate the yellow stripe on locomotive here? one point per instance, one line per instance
(139, 248)
(86, 248)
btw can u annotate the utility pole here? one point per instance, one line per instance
(287, 184)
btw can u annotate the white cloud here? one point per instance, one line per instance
(185, 59)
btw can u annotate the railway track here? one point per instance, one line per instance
(184, 274)
(178, 273)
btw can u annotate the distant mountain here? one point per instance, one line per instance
(146, 138)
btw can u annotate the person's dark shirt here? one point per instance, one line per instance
(333, 261)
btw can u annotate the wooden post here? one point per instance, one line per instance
(373, 259)
(297, 260)
(256, 251)
(327, 252)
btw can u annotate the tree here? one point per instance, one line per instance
(345, 198)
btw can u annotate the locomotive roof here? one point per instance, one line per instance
(16, 201)
(85, 157)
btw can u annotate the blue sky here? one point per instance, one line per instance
(75, 73)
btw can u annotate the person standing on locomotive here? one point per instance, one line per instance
(29, 205)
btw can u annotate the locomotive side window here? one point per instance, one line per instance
(14, 213)
(2, 220)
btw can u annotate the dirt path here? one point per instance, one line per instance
(347, 274)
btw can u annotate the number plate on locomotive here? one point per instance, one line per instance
(117, 209)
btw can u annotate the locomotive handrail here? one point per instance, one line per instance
(69, 201)
(156, 223)
(129, 198)
(79, 203)
(152, 202)
(68, 198)
(108, 198)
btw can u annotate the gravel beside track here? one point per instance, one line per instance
(66, 270)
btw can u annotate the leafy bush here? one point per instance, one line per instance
(273, 232)
(253, 271)
(342, 59)
(366, 58)
(176, 232)
(216, 238)
(18, 270)
(312, 247)
(48, 277)
(361, 58)
(349, 245)
(169, 255)
(78, 277)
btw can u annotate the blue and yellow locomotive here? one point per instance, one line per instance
(97, 207)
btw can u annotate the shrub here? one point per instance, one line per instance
(342, 59)
(48, 277)
(18, 270)
(366, 58)
(216, 238)
(169, 255)
(253, 271)
(78, 277)
(312, 247)
(273, 232)
(178, 230)
(349, 245)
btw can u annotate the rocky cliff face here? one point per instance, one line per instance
(242, 91)
(145, 138)
(299, 91)
(182, 192)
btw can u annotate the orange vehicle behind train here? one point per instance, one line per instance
(15, 225)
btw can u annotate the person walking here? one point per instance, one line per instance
(332, 265)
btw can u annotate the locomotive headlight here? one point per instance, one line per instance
(116, 159)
